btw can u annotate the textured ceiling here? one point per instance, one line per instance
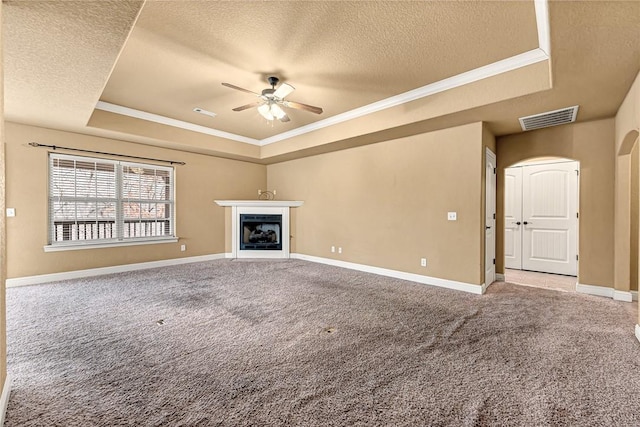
(167, 57)
(58, 56)
(338, 55)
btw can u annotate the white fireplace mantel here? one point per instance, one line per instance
(279, 207)
(261, 203)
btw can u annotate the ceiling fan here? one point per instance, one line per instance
(272, 100)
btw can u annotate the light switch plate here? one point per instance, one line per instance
(452, 216)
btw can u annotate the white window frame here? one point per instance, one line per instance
(119, 200)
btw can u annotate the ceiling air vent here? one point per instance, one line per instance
(550, 118)
(205, 112)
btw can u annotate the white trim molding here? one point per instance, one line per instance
(82, 246)
(638, 332)
(261, 203)
(418, 278)
(634, 295)
(602, 291)
(168, 121)
(625, 296)
(4, 398)
(543, 26)
(500, 277)
(77, 274)
(599, 291)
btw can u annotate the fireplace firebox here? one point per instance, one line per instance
(262, 232)
(270, 217)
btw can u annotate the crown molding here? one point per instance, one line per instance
(542, 53)
(156, 118)
(484, 72)
(542, 23)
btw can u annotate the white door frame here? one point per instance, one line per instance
(490, 218)
(512, 218)
(572, 248)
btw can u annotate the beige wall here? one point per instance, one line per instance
(592, 144)
(386, 204)
(200, 222)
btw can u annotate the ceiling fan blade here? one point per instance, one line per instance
(284, 90)
(240, 89)
(285, 119)
(246, 107)
(301, 106)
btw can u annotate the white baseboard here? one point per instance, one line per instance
(54, 277)
(599, 291)
(4, 398)
(625, 296)
(499, 277)
(637, 333)
(602, 291)
(434, 281)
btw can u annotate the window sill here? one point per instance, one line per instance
(75, 247)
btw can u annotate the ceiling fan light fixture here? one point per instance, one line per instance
(272, 100)
(277, 112)
(265, 111)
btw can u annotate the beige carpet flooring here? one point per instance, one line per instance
(292, 343)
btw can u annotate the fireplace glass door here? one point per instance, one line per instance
(260, 232)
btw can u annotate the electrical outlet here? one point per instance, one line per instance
(339, 250)
(423, 262)
(11, 211)
(183, 248)
(333, 249)
(452, 216)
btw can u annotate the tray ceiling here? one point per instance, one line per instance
(135, 70)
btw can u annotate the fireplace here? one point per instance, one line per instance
(261, 232)
(259, 228)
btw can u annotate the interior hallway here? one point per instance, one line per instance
(541, 280)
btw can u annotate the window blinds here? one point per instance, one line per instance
(98, 200)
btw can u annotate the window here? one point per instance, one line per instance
(96, 201)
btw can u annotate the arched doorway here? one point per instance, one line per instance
(541, 221)
(626, 224)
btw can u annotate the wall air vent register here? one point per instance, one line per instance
(550, 118)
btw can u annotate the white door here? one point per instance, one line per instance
(490, 219)
(549, 218)
(541, 223)
(513, 218)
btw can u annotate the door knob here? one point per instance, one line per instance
(525, 223)
(518, 223)
(487, 227)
